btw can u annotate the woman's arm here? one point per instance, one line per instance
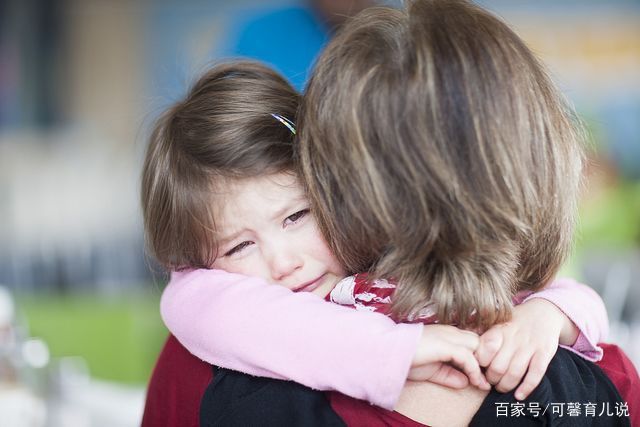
(244, 324)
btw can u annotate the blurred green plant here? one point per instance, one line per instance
(120, 338)
(611, 218)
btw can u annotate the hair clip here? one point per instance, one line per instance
(288, 123)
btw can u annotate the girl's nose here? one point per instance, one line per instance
(284, 263)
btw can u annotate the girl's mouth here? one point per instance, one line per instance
(309, 286)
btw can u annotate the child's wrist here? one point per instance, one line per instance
(418, 355)
(568, 331)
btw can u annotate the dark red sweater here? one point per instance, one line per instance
(180, 379)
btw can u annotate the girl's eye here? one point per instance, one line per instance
(238, 248)
(292, 219)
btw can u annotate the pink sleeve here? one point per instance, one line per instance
(584, 307)
(243, 323)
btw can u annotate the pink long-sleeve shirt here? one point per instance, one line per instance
(244, 324)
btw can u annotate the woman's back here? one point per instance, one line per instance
(435, 405)
(570, 380)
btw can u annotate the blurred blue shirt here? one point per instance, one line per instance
(289, 39)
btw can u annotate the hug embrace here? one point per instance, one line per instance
(383, 249)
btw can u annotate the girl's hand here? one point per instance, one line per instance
(442, 349)
(525, 345)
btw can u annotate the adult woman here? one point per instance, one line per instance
(492, 213)
(437, 121)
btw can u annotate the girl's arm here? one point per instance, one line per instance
(583, 308)
(244, 324)
(518, 352)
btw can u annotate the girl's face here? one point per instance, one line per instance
(267, 230)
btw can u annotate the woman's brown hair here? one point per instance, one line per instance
(437, 150)
(223, 129)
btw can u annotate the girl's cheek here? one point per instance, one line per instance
(312, 233)
(224, 264)
(322, 250)
(238, 263)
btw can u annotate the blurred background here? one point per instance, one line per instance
(81, 81)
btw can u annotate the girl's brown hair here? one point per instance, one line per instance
(436, 150)
(223, 129)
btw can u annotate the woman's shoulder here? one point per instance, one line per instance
(574, 391)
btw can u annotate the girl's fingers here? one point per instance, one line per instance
(500, 363)
(450, 377)
(515, 372)
(423, 372)
(467, 362)
(467, 339)
(537, 368)
(489, 345)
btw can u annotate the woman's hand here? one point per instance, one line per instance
(442, 349)
(525, 345)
